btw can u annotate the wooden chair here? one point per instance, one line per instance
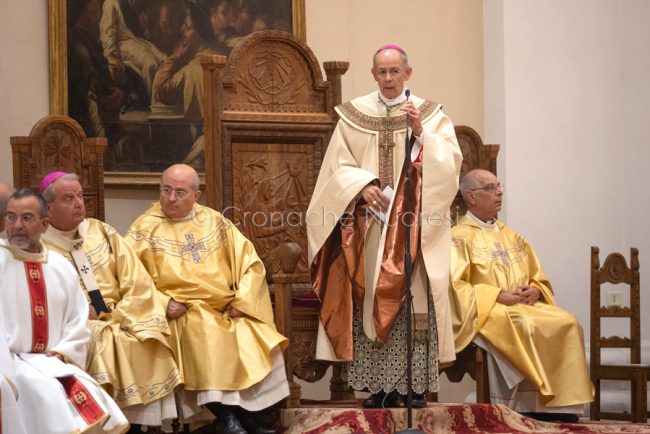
(268, 118)
(472, 361)
(58, 143)
(616, 271)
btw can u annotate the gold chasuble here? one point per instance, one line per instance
(360, 265)
(129, 353)
(544, 342)
(206, 263)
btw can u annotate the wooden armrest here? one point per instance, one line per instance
(284, 278)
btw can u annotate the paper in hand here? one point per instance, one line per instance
(388, 193)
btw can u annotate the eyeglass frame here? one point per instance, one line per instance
(382, 72)
(491, 187)
(168, 191)
(26, 218)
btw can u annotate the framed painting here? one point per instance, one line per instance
(129, 70)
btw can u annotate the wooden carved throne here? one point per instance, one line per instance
(58, 143)
(269, 115)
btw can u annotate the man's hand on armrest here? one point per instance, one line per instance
(175, 309)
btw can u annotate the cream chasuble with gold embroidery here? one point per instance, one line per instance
(367, 146)
(206, 263)
(129, 352)
(544, 342)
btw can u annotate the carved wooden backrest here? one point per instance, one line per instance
(269, 116)
(615, 271)
(58, 143)
(476, 155)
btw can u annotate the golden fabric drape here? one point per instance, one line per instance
(129, 353)
(206, 263)
(544, 342)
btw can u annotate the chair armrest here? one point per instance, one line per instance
(283, 293)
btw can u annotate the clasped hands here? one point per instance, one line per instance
(176, 309)
(524, 294)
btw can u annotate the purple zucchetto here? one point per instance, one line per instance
(391, 47)
(49, 179)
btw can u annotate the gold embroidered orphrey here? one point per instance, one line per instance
(386, 142)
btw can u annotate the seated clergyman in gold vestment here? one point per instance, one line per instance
(356, 261)
(129, 352)
(502, 300)
(223, 334)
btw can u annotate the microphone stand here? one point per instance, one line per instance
(408, 272)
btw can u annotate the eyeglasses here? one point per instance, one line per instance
(179, 192)
(491, 188)
(392, 71)
(26, 218)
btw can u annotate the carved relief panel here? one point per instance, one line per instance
(272, 78)
(272, 185)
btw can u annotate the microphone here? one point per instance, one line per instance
(407, 92)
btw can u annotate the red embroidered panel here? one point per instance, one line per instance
(38, 297)
(82, 400)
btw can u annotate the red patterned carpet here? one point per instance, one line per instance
(436, 418)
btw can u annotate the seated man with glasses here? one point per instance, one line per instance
(502, 300)
(223, 334)
(129, 353)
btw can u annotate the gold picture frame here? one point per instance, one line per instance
(58, 79)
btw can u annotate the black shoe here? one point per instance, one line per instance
(376, 400)
(259, 429)
(256, 422)
(554, 417)
(418, 400)
(229, 424)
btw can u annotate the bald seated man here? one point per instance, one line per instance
(503, 301)
(6, 190)
(219, 307)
